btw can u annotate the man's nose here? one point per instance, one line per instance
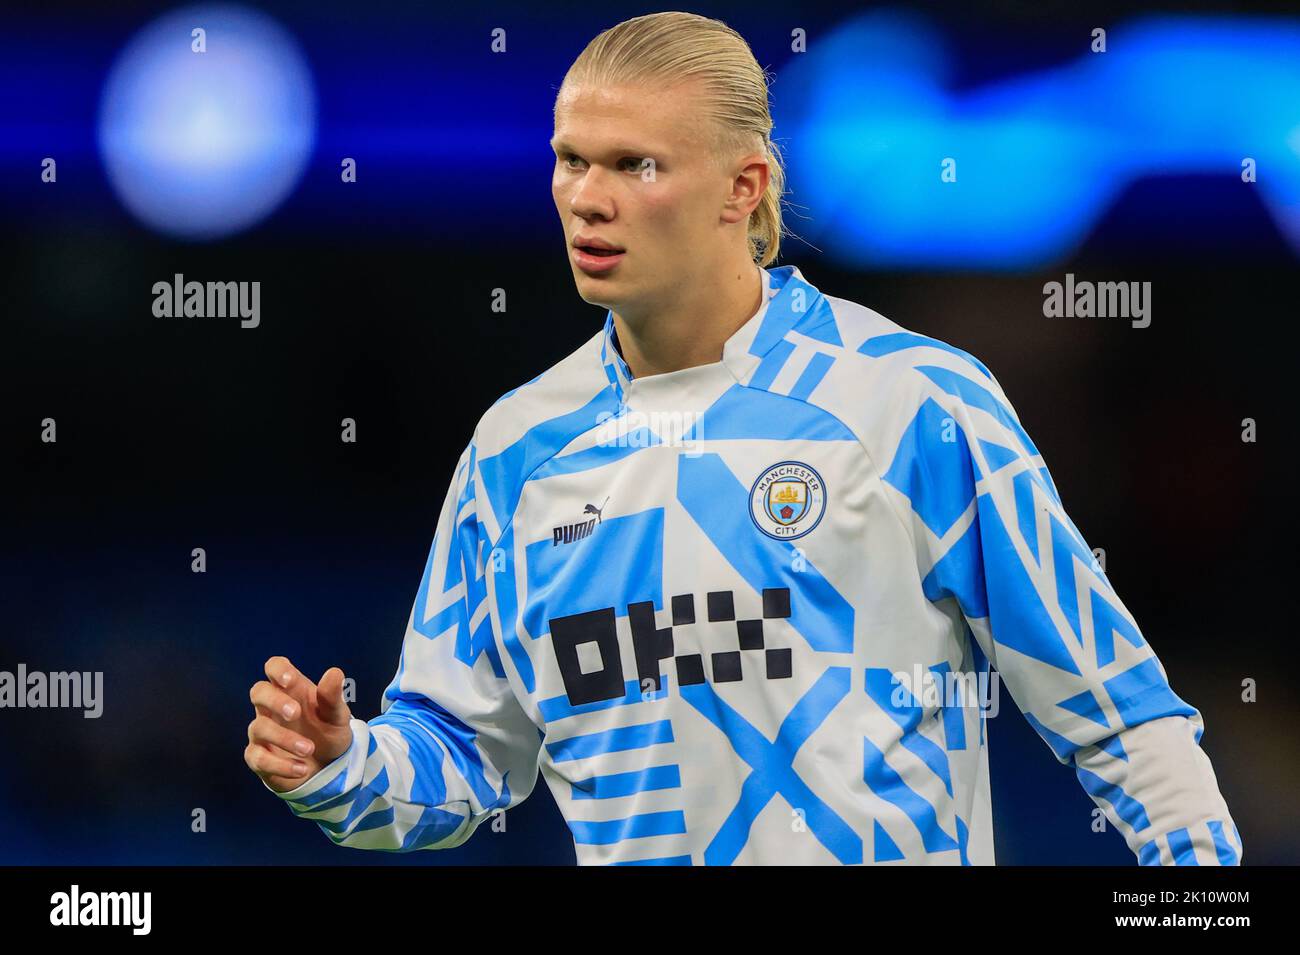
(592, 197)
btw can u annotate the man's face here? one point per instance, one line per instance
(635, 170)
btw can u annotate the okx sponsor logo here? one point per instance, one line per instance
(591, 663)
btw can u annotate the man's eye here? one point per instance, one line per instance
(626, 164)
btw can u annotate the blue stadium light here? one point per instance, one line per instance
(867, 121)
(201, 145)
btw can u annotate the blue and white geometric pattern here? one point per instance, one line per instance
(600, 606)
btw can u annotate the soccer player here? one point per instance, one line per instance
(717, 574)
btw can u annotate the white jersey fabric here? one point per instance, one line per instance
(727, 612)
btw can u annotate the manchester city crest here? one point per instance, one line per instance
(787, 500)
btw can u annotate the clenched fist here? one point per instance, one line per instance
(300, 727)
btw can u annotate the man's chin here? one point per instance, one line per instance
(596, 290)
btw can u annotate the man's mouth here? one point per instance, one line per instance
(597, 259)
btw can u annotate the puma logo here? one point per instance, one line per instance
(568, 533)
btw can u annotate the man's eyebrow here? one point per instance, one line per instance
(560, 146)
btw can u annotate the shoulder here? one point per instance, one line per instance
(567, 385)
(885, 352)
(881, 379)
(529, 424)
(930, 416)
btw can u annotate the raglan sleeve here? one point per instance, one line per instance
(452, 744)
(992, 534)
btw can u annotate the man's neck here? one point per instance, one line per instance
(693, 330)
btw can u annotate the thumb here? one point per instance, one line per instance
(329, 698)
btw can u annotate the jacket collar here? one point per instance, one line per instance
(790, 304)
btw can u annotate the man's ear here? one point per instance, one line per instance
(748, 185)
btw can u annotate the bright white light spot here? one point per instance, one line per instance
(202, 145)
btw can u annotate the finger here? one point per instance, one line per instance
(263, 711)
(278, 719)
(267, 731)
(329, 698)
(266, 763)
(268, 712)
(280, 704)
(281, 752)
(288, 677)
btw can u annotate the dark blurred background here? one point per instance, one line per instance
(376, 298)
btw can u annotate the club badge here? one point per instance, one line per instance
(788, 500)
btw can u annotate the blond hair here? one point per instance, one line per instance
(675, 47)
